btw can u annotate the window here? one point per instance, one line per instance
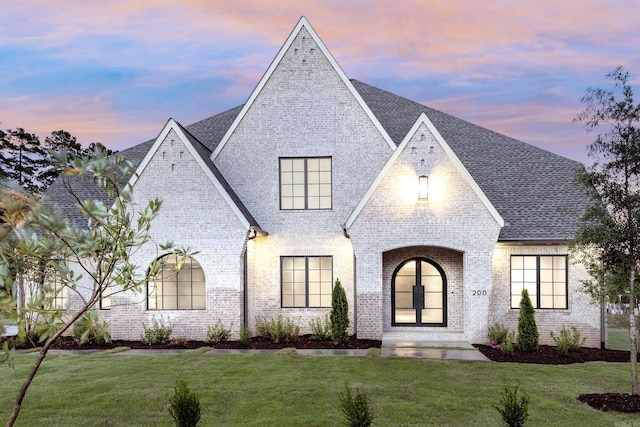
(179, 285)
(57, 294)
(306, 281)
(305, 183)
(543, 276)
(105, 298)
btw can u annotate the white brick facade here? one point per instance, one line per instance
(305, 107)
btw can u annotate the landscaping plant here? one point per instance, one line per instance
(217, 333)
(158, 333)
(497, 335)
(245, 336)
(320, 328)
(528, 337)
(89, 329)
(513, 406)
(355, 410)
(279, 329)
(568, 341)
(339, 317)
(184, 406)
(507, 345)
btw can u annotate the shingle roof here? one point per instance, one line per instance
(532, 189)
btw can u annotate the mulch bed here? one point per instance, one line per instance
(618, 402)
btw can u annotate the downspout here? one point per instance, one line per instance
(245, 304)
(355, 298)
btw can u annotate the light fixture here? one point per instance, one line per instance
(423, 187)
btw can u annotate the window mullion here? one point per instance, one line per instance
(538, 289)
(306, 275)
(306, 183)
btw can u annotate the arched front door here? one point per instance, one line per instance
(419, 294)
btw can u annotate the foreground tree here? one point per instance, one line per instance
(48, 249)
(608, 238)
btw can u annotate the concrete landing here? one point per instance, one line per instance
(395, 346)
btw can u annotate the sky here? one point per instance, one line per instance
(116, 71)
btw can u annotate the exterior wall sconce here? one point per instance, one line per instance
(423, 187)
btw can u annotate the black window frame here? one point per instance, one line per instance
(160, 300)
(538, 281)
(306, 280)
(306, 183)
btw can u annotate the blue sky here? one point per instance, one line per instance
(115, 71)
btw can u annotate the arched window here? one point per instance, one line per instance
(179, 285)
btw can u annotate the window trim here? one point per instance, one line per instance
(538, 295)
(306, 280)
(306, 183)
(177, 292)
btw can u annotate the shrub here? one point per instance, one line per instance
(507, 345)
(528, 337)
(89, 329)
(514, 407)
(278, 329)
(320, 328)
(218, 333)
(245, 336)
(355, 410)
(158, 333)
(184, 406)
(339, 316)
(568, 341)
(497, 334)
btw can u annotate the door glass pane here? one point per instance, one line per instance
(432, 315)
(405, 316)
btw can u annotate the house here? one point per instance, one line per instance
(433, 225)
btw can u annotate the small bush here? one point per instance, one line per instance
(158, 333)
(514, 407)
(279, 329)
(355, 410)
(184, 406)
(339, 316)
(497, 334)
(507, 345)
(568, 341)
(528, 337)
(245, 336)
(320, 328)
(89, 329)
(218, 333)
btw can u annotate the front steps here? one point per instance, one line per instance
(416, 343)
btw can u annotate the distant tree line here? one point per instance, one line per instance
(25, 160)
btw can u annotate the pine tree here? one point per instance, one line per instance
(339, 317)
(23, 158)
(528, 337)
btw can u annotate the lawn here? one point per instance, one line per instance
(293, 390)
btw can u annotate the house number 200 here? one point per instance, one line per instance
(478, 292)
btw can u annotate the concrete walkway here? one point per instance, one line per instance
(434, 350)
(423, 349)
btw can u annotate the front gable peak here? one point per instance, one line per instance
(303, 27)
(423, 125)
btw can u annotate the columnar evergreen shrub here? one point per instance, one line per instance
(339, 317)
(245, 336)
(514, 407)
(184, 406)
(528, 337)
(355, 410)
(507, 345)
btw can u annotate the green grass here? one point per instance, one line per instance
(292, 390)
(618, 339)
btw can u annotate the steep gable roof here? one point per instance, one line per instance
(303, 23)
(202, 155)
(534, 190)
(424, 120)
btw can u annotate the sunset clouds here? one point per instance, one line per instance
(116, 71)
